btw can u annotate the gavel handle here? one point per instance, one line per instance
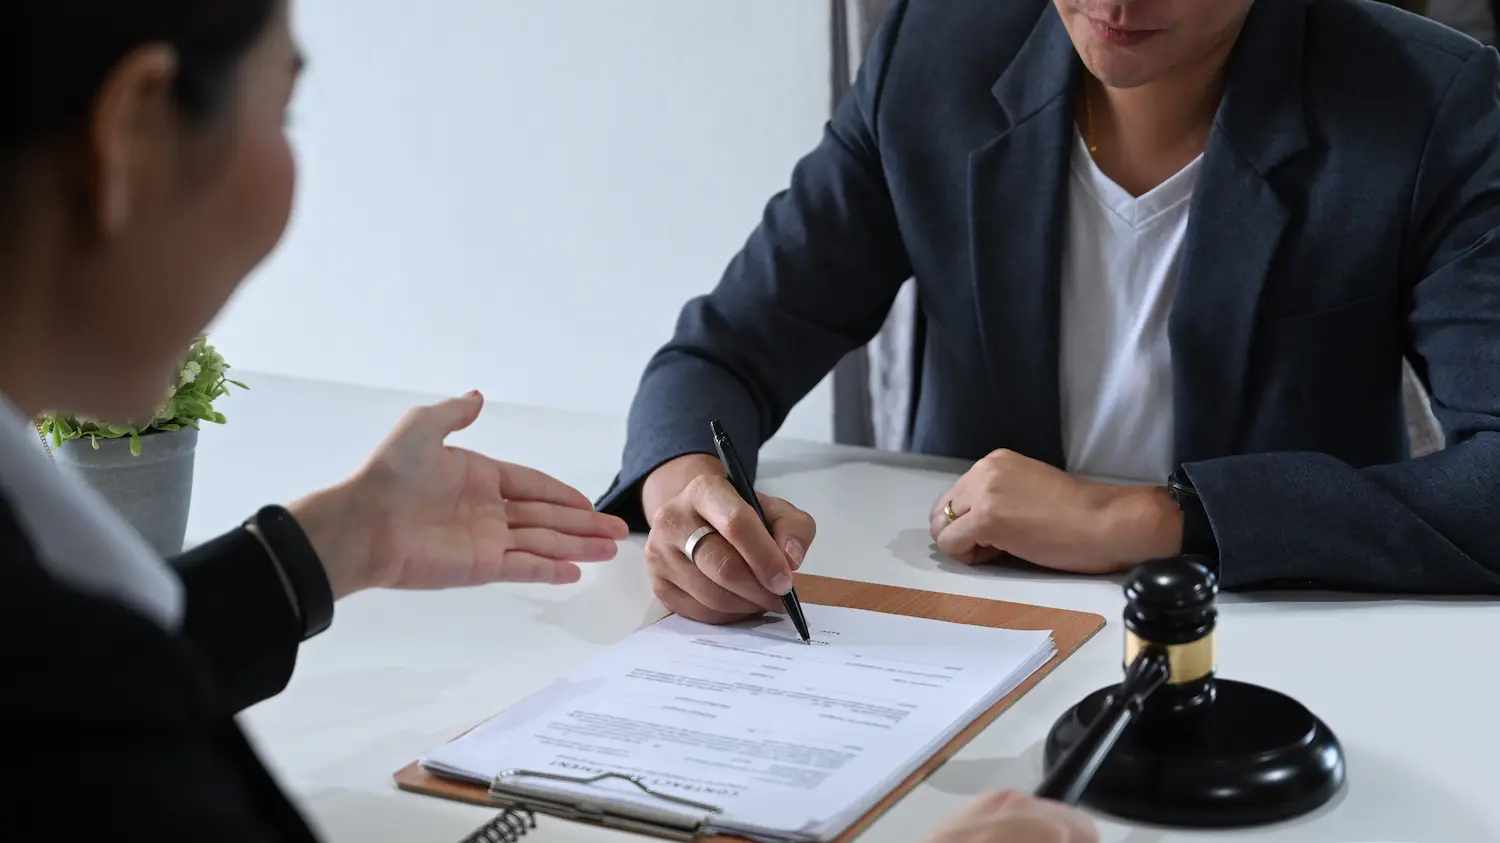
(1070, 776)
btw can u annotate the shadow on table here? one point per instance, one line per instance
(1381, 800)
(604, 609)
(355, 815)
(581, 618)
(916, 548)
(970, 777)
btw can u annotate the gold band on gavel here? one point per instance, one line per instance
(1188, 662)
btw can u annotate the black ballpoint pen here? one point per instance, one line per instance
(741, 483)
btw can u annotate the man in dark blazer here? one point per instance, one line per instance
(1342, 159)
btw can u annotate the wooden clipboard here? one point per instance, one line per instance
(1069, 632)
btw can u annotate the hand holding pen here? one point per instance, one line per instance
(739, 478)
(741, 563)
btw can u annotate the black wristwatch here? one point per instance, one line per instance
(1197, 534)
(300, 561)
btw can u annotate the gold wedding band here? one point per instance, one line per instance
(948, 511)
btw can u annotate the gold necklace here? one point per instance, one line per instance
(42, 435)
(1088, 111)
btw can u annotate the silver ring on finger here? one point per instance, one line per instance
(697, 536)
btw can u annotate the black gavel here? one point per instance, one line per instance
(1174, 745)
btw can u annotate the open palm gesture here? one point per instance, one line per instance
(420, 514)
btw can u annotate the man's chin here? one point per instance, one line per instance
(1120, 74)
(1118, 67)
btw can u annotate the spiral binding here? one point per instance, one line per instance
(508, 827)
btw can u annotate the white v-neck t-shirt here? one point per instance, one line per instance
(1120, 263)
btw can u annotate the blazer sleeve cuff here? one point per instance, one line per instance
(670, 419)
(239, 616)
(623, 497)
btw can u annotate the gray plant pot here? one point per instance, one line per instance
(152, 491)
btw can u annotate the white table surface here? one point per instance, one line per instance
(1408, 685)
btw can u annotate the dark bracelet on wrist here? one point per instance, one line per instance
(300, 562)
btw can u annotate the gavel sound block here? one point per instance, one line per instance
(1172, 744)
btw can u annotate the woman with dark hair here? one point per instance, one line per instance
(143, 173)
(143, 161)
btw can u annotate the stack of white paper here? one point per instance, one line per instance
(791, 741)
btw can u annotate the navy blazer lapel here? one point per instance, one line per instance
(1235, 228)
(1018, 202)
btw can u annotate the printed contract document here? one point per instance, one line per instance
(789, 741)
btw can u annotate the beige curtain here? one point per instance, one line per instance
(873, 399)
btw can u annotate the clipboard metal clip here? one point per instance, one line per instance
(509, 791)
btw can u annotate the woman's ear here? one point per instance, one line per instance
(131, 130)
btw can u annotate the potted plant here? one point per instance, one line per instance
(146, 470)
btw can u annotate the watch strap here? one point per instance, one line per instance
(1197, 533)
(301, 564)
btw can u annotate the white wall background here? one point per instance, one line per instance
(518, 196)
